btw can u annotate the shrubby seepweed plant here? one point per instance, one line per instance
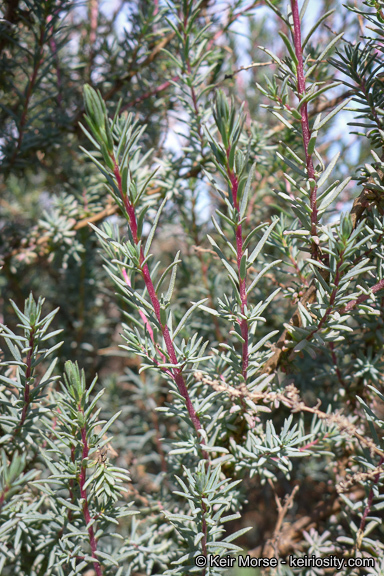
(238, 416)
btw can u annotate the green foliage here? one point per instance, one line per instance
(209, 240)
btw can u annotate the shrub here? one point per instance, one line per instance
(209, 241)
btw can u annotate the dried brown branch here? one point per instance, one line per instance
(359, 478)
(290, 398)
(272, 545)
(243, 68)
(291, 534)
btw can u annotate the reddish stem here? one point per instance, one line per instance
(305, 122)
(3, 495)
(83, 495)
(242, 281)
(376, 288)
(313, 443)
(141, 314)
(233, 19)
(176, 372)
(363, 297)
(71, 484)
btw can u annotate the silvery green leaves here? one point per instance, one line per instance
(267, 452)
(143, 333)
(13, 478)
(238, 251)
(230, 352)
(152, 334)
(22, 393)
(117, 147)
(362, 65)
(303, 163)
(209, 496)
(25, 382)
(84, 486)
(209, 383)
(346, 276)
(327, 194)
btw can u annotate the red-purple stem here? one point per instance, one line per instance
(148, 326)
(376, 288)
(305, 122)
(233, 19)
(363, 297)
(71, 484)
(84, 496)
(242, 281)
(141, 314)
(313, 443)
(176, 372)
(3, 495)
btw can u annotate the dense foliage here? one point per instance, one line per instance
(192, 267)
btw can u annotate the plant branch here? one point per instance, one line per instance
(150, 93)
(242, 276)
(31, 85)
(148, 60)
(84, 497)
(290, 398)
(360, 533)
(363, 297)
(305, 125)
(176, 372)
(272, 545)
